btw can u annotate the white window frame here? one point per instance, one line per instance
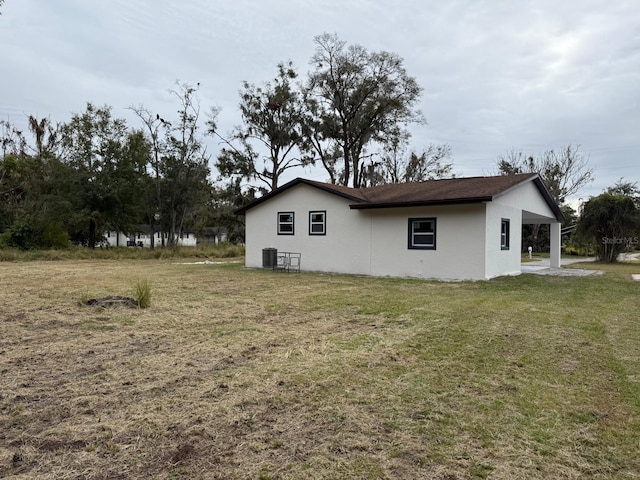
(282, 223)
(413, 235)
(505, 233)
(322, 223)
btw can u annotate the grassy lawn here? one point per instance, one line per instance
(249, 374)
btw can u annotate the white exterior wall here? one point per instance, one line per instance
(344, 248)
(555, 245)
(498, 261)
(459, 253)
(144, 238)
(116, 239)
(369, 241)
(187, 240)
(535, 210)
(528, 198)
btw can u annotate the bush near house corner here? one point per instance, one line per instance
(580, 251)
(609, 221)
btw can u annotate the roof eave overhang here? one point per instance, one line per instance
(453, 201)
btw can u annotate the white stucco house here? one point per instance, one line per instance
(452, 229)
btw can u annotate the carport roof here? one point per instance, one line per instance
(431, 192)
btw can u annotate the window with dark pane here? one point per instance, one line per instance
(285, 223)
(504, 234)
(422, 233)
(317, 223)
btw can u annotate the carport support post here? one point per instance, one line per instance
(555, 245)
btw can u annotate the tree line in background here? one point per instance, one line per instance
(72, 182)
(350, 115)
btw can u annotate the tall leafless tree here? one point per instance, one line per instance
(356, 99)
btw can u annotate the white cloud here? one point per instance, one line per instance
(496, 74)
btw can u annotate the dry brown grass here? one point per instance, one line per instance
(258, 375)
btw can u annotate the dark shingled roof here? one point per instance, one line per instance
(431, 192)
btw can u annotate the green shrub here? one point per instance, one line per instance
(54, 236)
(21, 235)
(579, 250)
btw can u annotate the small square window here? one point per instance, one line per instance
(422, 233)
(317, 223)
(504, 234)
(285, 223)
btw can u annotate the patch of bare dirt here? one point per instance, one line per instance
(113, 301)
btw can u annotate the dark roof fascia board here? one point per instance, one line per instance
(453, 201)
(331, 190)
(287, 186)
(264, 198)
(547, 196)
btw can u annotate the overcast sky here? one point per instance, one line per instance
(497, 74)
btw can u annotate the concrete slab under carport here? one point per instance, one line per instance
(542, 267)
(561, 272)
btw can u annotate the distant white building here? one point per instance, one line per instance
(212, 236)
(143, 238)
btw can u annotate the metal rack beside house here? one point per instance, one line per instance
(287, 262)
